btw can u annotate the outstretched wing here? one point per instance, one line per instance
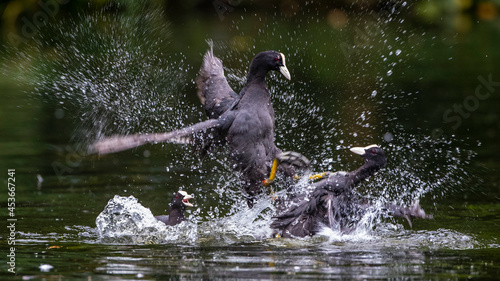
(119, 143)
(414, 210)
(213, 90)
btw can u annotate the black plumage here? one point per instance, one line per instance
(177, 207)
(334, 204)
(214, 91)
(244, 121)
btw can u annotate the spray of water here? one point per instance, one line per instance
(365, 113)
(109, 73)
(304, 125)
(124, 220)
(117, 77)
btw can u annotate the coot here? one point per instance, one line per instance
(177, 207)
(245, 120)
(334, 204)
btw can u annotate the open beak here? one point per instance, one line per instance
(362, 150)
(185, 199)
(284, 70)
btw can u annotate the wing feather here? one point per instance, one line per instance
(214, 91)
(119, 143)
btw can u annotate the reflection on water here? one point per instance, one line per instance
(402, 253)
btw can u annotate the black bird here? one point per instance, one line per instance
(177, 207)
(248, 118)
(333, 202)
(244, 121)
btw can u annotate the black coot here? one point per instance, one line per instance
(177, 207)
(333, 202)
(245, 120)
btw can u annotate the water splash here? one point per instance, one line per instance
(124, 80)
(108, 73)
(124, 220)
(395, 237)
(409, 177)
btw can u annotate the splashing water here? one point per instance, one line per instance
(124, 80)
(110, 74)
(124, 220)
(406, 179)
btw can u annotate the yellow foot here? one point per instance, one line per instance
(267, 182)
(272, 175)
(318, 176)
(289, 157)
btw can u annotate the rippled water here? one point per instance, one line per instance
(105, 74)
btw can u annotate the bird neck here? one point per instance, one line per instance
(368, 169)
(256, 89)
(257, 73)
(175, 216)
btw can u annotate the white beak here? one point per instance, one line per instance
(362, 150)
(185, 199)
(284, 70)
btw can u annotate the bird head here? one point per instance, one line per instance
(181, 199)
(371, 153)
(270, 60)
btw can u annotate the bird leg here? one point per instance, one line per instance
(272, 174)
(290, 158)
(313, 177)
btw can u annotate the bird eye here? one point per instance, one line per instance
(373, 151)
(278, 58)
(177, 196)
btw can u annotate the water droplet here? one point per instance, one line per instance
(389, 73)
(59, 113)
(388, 137)
(374, 93)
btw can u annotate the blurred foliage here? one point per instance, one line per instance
(22, 19)
(446, 13)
